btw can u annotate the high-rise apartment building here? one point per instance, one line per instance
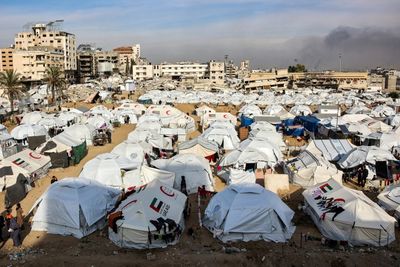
(6, 59)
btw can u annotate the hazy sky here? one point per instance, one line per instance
(268, 32)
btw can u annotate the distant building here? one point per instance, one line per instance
(266, 80)
(376, 82)
(33, 62)
(86, 60)
(50, 35)
(6, 59)
(107, 62)
(216, 72)
(245, 65)
(142, 72)
(390, 81)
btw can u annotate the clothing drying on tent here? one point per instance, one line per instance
(150, 217)
(343, 214)
(193, 168)
(248, 212)
(76, 207)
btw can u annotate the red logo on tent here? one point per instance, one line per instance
(168, 112)
(131, 202)
(167, 191)
(34, 155)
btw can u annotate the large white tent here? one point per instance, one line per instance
(389, 199)
(194, 168)
(28, 130)
(224, 134)
(341, 213)
(151, 217)
(199, 146)
(364, 154)
(72, 206)
(248, 212)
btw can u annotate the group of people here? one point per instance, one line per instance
(13, 225)
(362, 174)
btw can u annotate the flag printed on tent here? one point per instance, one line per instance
(20, 162)
(160, 207)
(326, 203)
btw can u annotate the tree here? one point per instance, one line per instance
(297, 68)
(10, 81)
(394, 95)
(55, 79)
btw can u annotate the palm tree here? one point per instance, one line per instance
(55, 80)
(10, 81)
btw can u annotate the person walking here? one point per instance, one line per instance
(359, 177)
(20, 216)
(8, 218)
(15, 232)
(364, 176)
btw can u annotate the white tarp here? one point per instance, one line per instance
(344, 214)
(248, 212)
(149, 203)
(74, 206)
(330, 149)
(364, 154)
(198, 146)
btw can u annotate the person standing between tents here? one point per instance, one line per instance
(359, 176)
(183, 186)
(364, 176)
(15, 232)
(8, 218)
(20, 216)
(53, 180)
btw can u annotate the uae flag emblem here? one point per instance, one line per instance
(18, 161)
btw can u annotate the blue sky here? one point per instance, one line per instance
(268, 32)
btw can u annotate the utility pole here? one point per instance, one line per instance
(340, 62)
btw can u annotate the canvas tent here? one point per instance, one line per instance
(199, 146)
(389, 199)
(136, 178)
(13, 183)
(194, 168)
(27, 130)
(248, 212)
(308, 170)
(35, 165)
(364, 154)
(151, 217)
(348, 215)
(330, 149)
(72, 206)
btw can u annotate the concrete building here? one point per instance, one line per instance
(376, 82)
(107, 62)
(245, 65)
(136, 53)
(6, 59)
(266, 80)
(125, 58)
(33, 62)
(184, 70)
(216, 72)
(330, 79)
(390, 81)
(50, 35)
(143, 72)
(86, 60)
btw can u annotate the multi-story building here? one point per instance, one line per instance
(143, 72)
(136, 53)
(6, 59)
(390, 81)
(216, 72)
(266, 80)
(86, 60)
(33, 62)
(125, 58)
(107, 62)
(184, 70)
(376, 82)
(49, 35)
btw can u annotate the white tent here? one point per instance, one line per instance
(224, 134)
(248, 212)
(383, 140)
(136, 178)
(198, 146)
(194, 168)
(240, 177)
(250, 111)
(120, 114)
(330, 149)
(253, 150)
(132, 151)
(279, 111)
(78, 133)
(344, 214)
(308, 170)
(7, 180)
(98, 122)
(364, 154)
(382, 111)
(36, 165)
(75, 207)
(300, 110)
(51, 122)
(144, 214)
(107, 169)
(28, 130)
(32, 117)
(389, 199)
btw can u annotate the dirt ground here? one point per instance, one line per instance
(200, 249)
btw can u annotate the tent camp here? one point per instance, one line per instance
(248, 212)
(78, 133)
(308, 170)
(27, 130)
(194, 168)
(348, 215)
(35, 165)
(76, 207)
(223, 133)
(151, 217)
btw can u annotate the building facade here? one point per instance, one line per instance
(107, 62)
(6, 59)
(45, 35)
(33, 62)
(217, 72)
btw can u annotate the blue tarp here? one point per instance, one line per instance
(309, 122)
(245, 121)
